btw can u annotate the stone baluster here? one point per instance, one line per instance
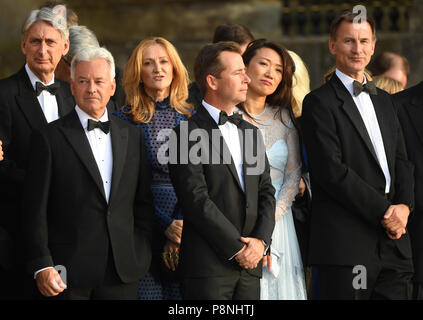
(287, 19)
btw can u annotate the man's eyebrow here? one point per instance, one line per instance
(240, 69)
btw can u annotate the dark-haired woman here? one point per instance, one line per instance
(268, 106)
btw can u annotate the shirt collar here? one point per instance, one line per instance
(347, 81)
(83, 117)
(33, 78)
(213, 111)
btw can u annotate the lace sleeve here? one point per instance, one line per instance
(292, 173)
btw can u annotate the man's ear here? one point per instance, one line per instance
(113, 86)
(66, 47)
(23, 43)
(211, 82)
(373, 46)
(72, 86)
(331, 45)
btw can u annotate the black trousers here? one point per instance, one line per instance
(388, 277)
(239, 285)
(123, 291)
(17, 284)
(417, 291)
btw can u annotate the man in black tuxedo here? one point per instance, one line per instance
(361, 179)
(87, 201)
(410, 115)
(227, 201)
(29, 100)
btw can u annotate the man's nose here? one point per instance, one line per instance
(43, 48)
(246, 78)
(91, 87)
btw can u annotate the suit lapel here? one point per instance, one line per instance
(30, 107)
(248, 141)
(76, 136)
(415, 111)
(28, 102)
(119, 147)
(206, 122)
(352, 112)
(65, 102)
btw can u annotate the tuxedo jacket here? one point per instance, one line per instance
(347, 182)
(410, 115)
(20, 114)
(66, 217)
(217, 212)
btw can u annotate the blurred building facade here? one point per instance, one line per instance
(301, 26)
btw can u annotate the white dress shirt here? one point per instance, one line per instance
(101, 146)
(230, 135)
(367, 111)
(47, 100)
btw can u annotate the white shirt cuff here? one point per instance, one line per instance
(38, 271)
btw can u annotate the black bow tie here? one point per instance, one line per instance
(105, 126)
(39, 87)
(234, 118)
(368, 87)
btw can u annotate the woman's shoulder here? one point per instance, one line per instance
(285, 114)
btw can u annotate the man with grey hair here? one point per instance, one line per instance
(87, 198)
(29, 100)
(80, 37)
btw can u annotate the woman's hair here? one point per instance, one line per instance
(328, 75)
(142, 106)
(388, 84)
(300, 84)
(282, 97)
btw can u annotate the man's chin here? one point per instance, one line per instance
(41, 68)
(91, 108)
(242, 98)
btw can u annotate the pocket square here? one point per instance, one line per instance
(276, 262)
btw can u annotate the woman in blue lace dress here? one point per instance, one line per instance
(269, 107)
(156, 86)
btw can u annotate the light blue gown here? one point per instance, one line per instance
(285, 280)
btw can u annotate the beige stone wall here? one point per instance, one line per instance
(189, 24)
